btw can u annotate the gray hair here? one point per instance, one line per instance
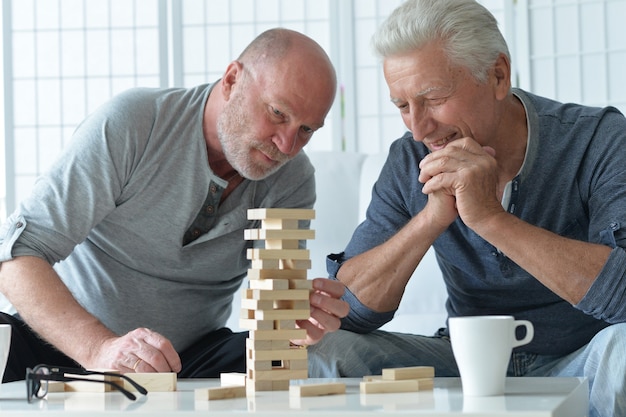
(469, 33)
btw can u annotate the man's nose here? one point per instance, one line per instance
(286, 141)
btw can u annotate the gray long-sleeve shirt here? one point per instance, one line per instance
(573, 183)
(112, 211)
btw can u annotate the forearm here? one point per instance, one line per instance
(379, 276)
(45, 303)
(567, 267)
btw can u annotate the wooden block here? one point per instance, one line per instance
(255, 253)
(284, 354)
(290, 305)
(256, 324)
(276, 294)
(260, 264)
(229, 379)
(56, 386)
(282, 244)
(267, 273)
(387, 386)
(313, 390)
(279, 374)
(295, 264)
(281, 213)
(255, 344)
(280, 334)
(280, 224)
(267, 385)
(251, 304)
(219, 393)
(269, 284)
(258, 365)
(426, 384)
(285, 324)
(152, 381)
(370, 378)
(300, 284)
(287, 234)
(282, 314)
(296, 364)
(411, 372)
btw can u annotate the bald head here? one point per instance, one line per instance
(274, 47)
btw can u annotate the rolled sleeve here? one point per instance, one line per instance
(10, 231)
(606, 299)
(360, 319)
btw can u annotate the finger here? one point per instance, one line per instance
(333, 306)
(163, 357)
(331, 287)
(137, 364)
(313, 333)
(324, 320)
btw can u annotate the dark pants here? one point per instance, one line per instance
(215, 352)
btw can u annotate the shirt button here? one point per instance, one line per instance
(213, 189)
(19, 225)
(209, 209)
(195, 233)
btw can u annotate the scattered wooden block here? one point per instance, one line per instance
(313, 390)
(152, 381)
(56, 386)
(229, 379)
(384, 386)
(411, 372)
(219, 393)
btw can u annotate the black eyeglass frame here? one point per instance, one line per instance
(58, 373)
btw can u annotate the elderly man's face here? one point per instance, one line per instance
(271, 116)
(440, 102)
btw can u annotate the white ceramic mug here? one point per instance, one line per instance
(482, 347)
(5, 345)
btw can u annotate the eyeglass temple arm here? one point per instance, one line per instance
(63, 378)
(76, 371)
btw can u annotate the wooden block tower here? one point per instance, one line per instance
(277, 296)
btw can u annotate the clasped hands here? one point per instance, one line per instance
(143, 350)
(461, 180)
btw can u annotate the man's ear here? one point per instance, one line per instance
(502, 76)
(232, 75)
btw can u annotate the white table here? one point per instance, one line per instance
(525, 397)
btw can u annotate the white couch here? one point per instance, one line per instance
(344, 182)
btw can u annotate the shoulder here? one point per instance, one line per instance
(567, 114)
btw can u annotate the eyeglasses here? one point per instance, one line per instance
(38, 377)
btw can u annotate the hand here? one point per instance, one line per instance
(466, 171)
(326, 310)
(140, 350)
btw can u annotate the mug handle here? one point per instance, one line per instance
(530, 333)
